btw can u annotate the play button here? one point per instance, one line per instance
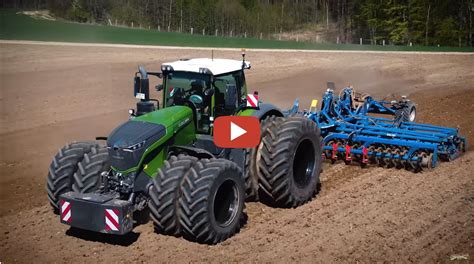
(236, 131)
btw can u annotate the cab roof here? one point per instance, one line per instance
(204, 65)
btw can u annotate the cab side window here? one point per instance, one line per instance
(234, 78)
(240, 82)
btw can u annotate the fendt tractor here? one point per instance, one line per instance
(163, 162)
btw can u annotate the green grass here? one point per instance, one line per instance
(21, 27)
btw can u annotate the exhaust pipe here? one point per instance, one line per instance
(141, 87)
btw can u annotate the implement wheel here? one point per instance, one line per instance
(407, 113)
(290, 162)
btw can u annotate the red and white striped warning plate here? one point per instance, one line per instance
(112, 220)
(252, 100)
(65, 211)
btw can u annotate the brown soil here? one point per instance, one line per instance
(51, 95)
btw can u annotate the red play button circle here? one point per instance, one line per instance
(236, 132)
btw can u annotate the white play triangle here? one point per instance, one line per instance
(236, 131)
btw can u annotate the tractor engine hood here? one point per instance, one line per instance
(128, 142)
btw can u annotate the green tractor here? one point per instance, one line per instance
(163, 164)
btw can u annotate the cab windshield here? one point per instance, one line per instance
(191, 89)
(207, 100)
(186, 83)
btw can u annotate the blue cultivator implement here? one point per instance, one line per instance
(349, 133)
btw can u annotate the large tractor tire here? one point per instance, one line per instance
(407, 113)
(87, 176)
(165, 192)
(250, 173)
(289, 162)
(212, 201)
(62, 169)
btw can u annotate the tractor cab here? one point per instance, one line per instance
(210, 87)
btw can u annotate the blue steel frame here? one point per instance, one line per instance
(359, 134)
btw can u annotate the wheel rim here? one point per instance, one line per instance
(412, 115)
(303, 163)
(226, 203)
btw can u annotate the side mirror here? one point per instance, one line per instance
(231, 96)
(159, 87)
(136, 85)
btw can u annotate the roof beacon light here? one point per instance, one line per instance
(167, 68)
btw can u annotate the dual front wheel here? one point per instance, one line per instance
(202, 200)
(75, 167)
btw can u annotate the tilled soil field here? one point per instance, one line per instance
(52, 95)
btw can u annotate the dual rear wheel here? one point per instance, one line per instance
(289, 162)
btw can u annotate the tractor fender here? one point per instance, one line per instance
(265, 110)
(191, 151)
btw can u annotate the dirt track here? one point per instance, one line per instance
(51, 95)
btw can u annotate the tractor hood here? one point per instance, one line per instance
(130, 134)
(129, 142)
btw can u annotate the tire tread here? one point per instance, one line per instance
(62, 168)
(196, 190)
(165, 192)
(276, 160)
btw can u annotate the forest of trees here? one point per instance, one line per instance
(398, 22)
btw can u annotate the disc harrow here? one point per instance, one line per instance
(350, 134)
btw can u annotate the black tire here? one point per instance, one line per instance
(212, 201)
(87, 176)
(62, 169)
(250, 173)
(165, 192)
(407, 113)
(290, 162)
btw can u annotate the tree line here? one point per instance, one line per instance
(398, 22)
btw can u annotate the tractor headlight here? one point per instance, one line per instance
(135, 146)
